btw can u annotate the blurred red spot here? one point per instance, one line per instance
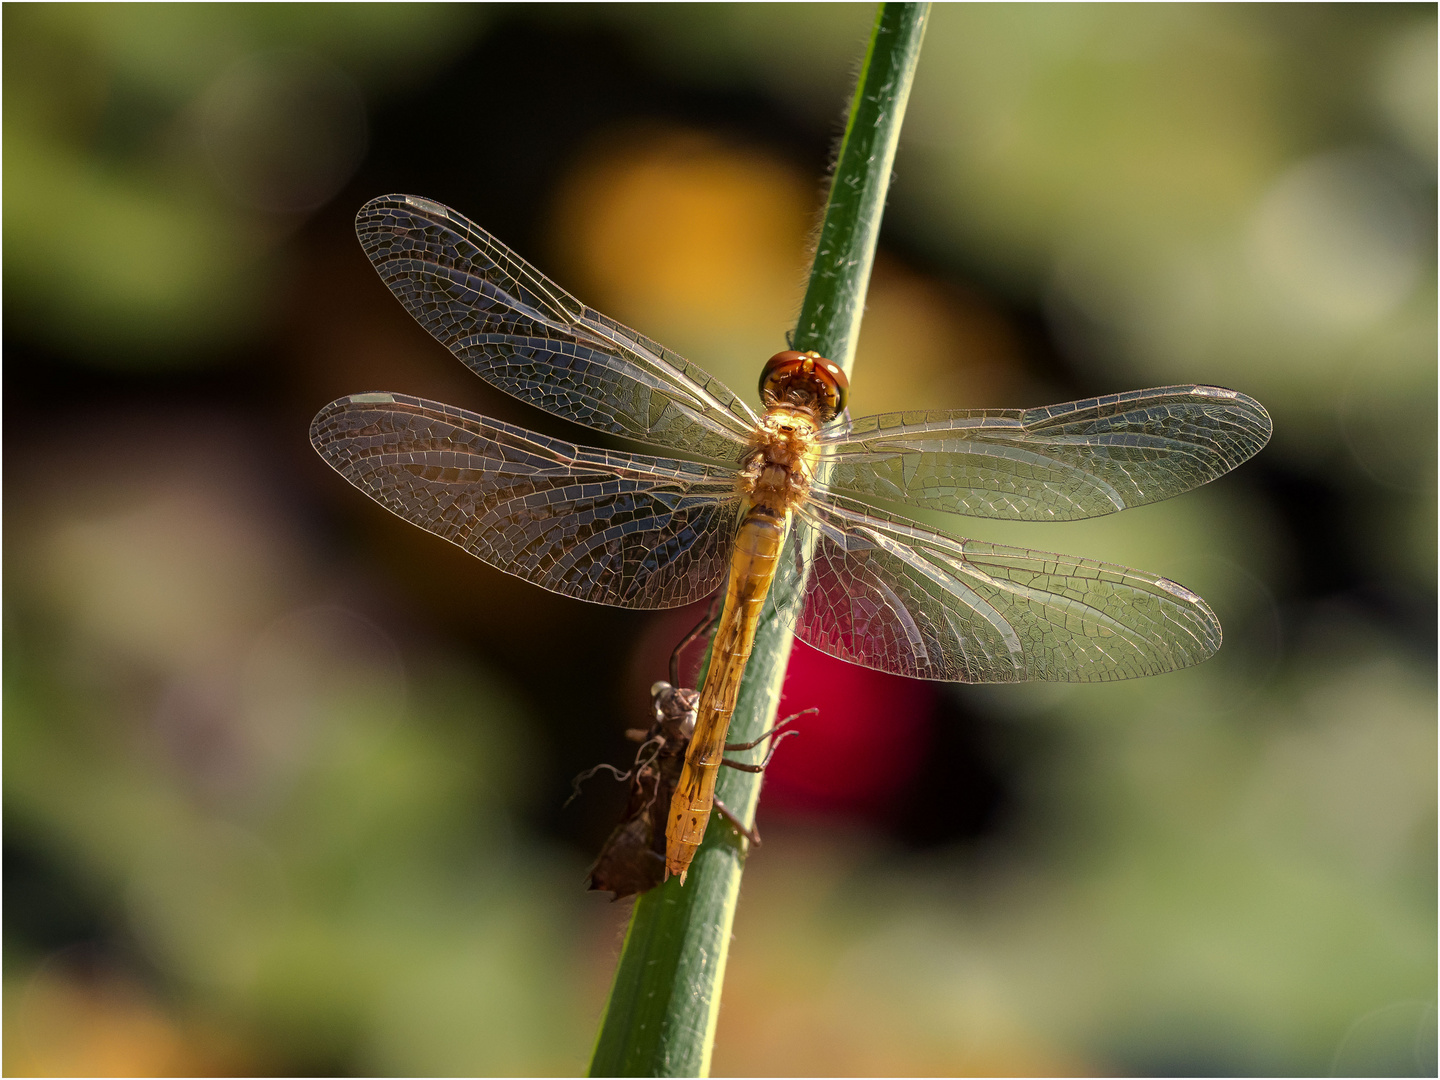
(856, 756)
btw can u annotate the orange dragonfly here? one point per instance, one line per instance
(778, 498)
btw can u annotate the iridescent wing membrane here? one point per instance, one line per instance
(1077, 460)
(641, 531)
(612, 528)
(525, 335)
(891, 594)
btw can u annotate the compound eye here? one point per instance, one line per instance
(780, 369)
(804, 379)
(837, 383)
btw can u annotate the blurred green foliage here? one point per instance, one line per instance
(126, 239)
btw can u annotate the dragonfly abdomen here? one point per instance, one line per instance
(752, 569)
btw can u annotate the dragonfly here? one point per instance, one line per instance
(633, 857)
(782, 498)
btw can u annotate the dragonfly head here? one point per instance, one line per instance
(804, 380)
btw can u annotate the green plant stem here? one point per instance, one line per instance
(660, 1019)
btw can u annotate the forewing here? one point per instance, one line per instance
(891, 594)
(612, 528)
(1057, 463)
(522, 333)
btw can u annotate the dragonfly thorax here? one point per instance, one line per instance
(775, 474)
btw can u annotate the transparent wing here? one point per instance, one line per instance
(524, 334)
(611, 528)
(890, 594)
(1076, 460)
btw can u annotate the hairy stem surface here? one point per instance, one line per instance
(660, 1019)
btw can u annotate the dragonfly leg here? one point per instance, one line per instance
(772, 731)
(740, 765)
(781, 737)
(743, 767)
(710, 619)
(751, 834)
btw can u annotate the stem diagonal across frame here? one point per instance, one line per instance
(661, 1014)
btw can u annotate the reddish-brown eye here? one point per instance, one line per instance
(804, 380)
